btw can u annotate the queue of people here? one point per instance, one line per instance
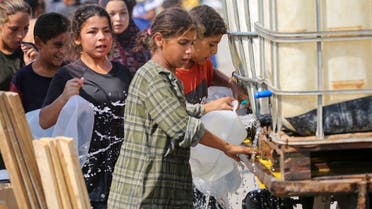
(144, 125)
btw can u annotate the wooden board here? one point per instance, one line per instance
(66, 202)
(7, 198)
(56, 158)
(346, 138)
(74, 177)
(24, 136)
(13, 158)
(58, 162)
(48, 176)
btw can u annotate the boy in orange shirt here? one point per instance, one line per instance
(199, 74)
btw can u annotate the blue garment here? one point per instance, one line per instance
(142, 24)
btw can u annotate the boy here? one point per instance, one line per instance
(199, 74)
(31, 82)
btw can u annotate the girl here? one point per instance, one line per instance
(14, 22)
(101, 82)
(125, 33)
(153, 168)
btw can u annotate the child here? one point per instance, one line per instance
(125, 32)
(153, 168)
(199, 74)
(14, 22)
(101, 82)
(31, 82)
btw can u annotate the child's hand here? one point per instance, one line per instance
(72, 88)
(224, 103)
(233, 150)
(239, 92)
(29, 52)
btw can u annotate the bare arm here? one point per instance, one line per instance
(224, 103)
(220, 79)
(230, 150)
(49, 114)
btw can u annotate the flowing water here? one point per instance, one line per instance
(248, 181)
(256, 197)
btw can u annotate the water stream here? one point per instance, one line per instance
(248, 183)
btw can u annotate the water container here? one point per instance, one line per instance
(210, 164)
(293, 66)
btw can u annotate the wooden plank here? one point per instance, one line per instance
(48, 176)
(7, 196)
(314, 186)
(24, 136)
(3, 205)
(58, 168)
(73, 175)
(13, 160)
(283, 138)
(295, 166)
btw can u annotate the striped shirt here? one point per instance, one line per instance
(153, 168)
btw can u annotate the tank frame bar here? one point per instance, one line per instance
(245, 64)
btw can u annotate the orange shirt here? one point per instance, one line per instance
(196, 81)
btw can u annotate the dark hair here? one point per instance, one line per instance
(208, 21)
(37, 7)
(171, 22)
(171, 3)
(129, 3)
(50, 25)
(82, 14)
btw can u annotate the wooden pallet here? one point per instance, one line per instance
(344, 154)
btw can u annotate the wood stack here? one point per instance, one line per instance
(60, 170)
(18, 153)
(62, 184)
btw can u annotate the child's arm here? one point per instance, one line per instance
(198, 110)
(231, 150)
(220, 79)
(49, 114)
(224, 103)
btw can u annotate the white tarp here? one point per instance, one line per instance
(75, 120)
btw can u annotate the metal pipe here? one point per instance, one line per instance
(282, 37)
(261, 81)
(319, 122)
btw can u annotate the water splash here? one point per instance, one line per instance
(234, 200)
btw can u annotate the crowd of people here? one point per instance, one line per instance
(147, 84)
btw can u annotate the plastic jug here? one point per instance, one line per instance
(211, 164)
